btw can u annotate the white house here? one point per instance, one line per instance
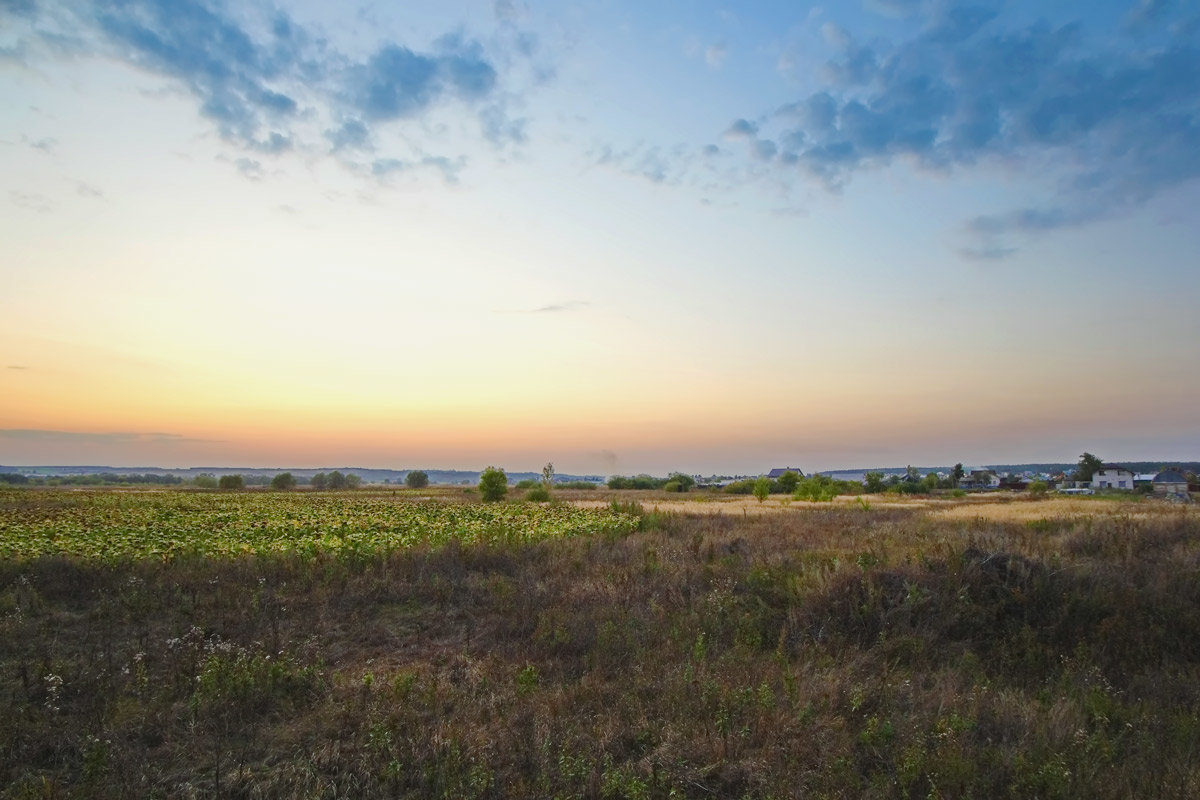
(980, 479)
(1111, 476)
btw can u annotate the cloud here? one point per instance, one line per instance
(250, 168)
(386, 167)
(656, 164)
(87, 190)
(1118, 118)
(46, 144)
(268, 84)
(16, 366)
(77, 437)
(554, 308)
(715, 55)
(31, 201)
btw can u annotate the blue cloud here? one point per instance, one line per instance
(1119, 116)
(261, 78)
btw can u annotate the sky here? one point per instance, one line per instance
(618, 236)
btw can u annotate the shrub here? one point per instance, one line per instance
(538, 494)
(416, 479)
(1038, 488)
(762, 488)
(231, 482)
(788, 482)
(528, 483)
(493, 484)
(205, 481)
(283, 481)
(673, 486)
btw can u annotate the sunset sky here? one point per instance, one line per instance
(620, 236)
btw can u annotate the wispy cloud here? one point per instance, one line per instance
(554, 308)
(87, 190)
(31, 201)
(1119, 117)
(46, 144)
(16, 366)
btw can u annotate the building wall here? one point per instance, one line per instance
(1170, 488)
(1112, 479)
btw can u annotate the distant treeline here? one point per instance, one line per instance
(95, 479)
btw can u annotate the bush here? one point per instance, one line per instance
(537, 494)
(672, 486)
(231, 482)
(283, 481)
(416, 479)
(1038, 488)
(762, 488)
(576, 485)
(493, 484)
(205, 481)
(788, 482)
(528, 483)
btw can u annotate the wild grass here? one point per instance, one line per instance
(841, 652)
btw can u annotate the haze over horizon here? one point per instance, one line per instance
(621, 237)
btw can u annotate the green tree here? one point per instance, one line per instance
(1088, 466)
(956, 475)
(416, 479)
(788, 482)
(283, 481)
(337, 480)
(548, 476)
(205, 481)
(353, 481)
(319, 481)
(686, 482)
(493, 484)
(1038, 488)
(231, 482)
(874, 482)
(762, 488)
(930, 482)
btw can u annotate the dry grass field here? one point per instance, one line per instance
(908, 649)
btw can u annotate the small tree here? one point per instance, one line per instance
(337, 480)
(685, 482)
(874, 482)
(788, 482)
(1038, 488)
(283, 481)
(1088, 466)
(762, 488)
(930, 482)
(319, 481)
(353, 481)
(956, 475)
(231, 482)
(416, 479)
(493, 484)
(548, 476)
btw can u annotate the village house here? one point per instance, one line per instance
(980, 479)
(1171, 482)
(1112, 476)
(776, 473)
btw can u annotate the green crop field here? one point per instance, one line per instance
(164, 524)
